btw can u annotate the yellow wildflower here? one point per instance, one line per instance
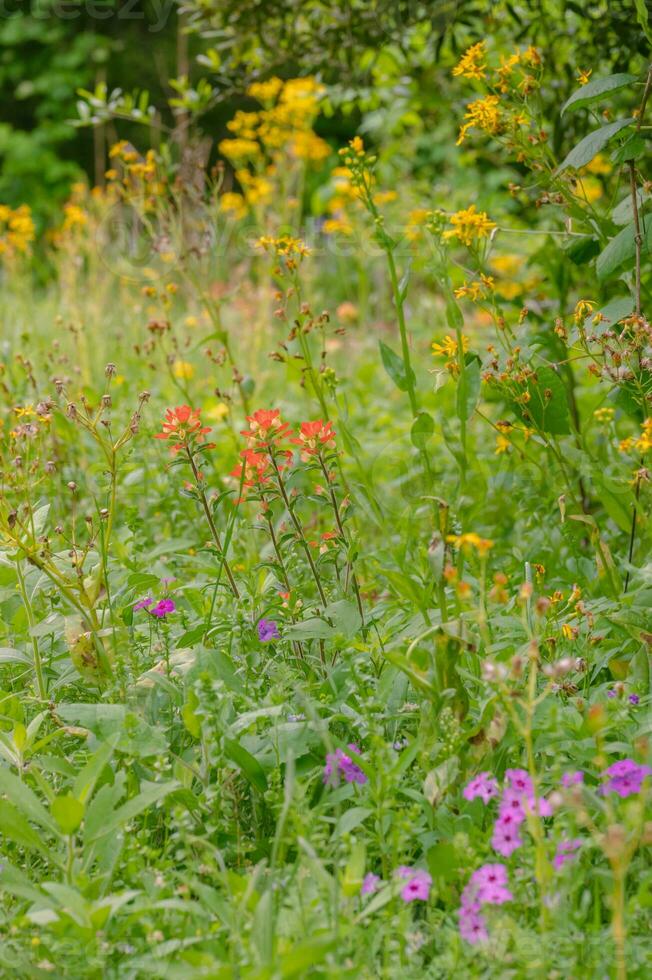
(583, 308)
(470, 542)
(183, 370)
(482, 114)
(584, 75)
(233, 204)
(265, 91)
(469, 225)
(502, 445)
(472, 63)
(448, 347)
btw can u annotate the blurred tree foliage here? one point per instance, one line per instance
(380, 57)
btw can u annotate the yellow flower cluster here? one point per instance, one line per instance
(470, 542)
(16, 230)
(469, 225)
(448, 347)
(137, 176)
(475, 289)
(643, 443)
(484, 114)
(264, 139)
(283, 245)
(472, 63)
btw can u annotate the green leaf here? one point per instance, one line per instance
(25, 799)
(345, 617)
(88, 776)
(395, 367)
(548, 404)
(582, 250)
(621, 249)
(468, 387)
(68, 813)
(351, 819)
(442, 860)
(594, 90)
(132, 808)
(643, 17)
(15, 827)
(422, 430)
(633, 148)
(249, 766)
(310, 629)
(591, 145)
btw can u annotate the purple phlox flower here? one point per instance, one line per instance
(565, 852)
(519, 780)
(417, 884)
(611, 693)
(539, 805)
(490, 874)
(482, 785)
(267, 630)
(633, 698)
(626, 778)
(505, 838)
(162, 608)
(338, 763)
(512, 805)
(487, 886)
(572, 779)
(473, 927)
(143, 603)
(371, 883)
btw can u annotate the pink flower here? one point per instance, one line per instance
(626, 778)
(519, 780)
(338, 764)
(482, 785)
(572, 779)
(511, 805)
(162, 608)
(505, 838)
(565, 852)
(473, 927)
(371, 883)
(143, 603)
(417, 886)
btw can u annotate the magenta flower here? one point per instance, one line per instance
(267, 630)
(143, 603)
(371, 883)
(520, 780)
(626, 778)
(505, 838)
(572, 779)
(338, 764)
(473, 927)
(487, 886)
(565, 852)
(162, 608)
(417, 884)
(482, 785)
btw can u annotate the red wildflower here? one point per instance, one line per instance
(265, 427)
(314, 436)
(255, 468)
(184, 425)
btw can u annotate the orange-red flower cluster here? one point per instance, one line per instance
(313, 437)
(183, 424)
(265, 428)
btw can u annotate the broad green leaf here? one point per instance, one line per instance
(643, 17)
(591, 145)
(15, 827)
(25, 799)
(345, 617)
(249, 766)
(351, 819)
(310, 629)
(622, 249)
(548, 404)
(422, 430)
(439, 779)
(442, 860)
(68, 813)
(395, 367)
(354, 871)
(594, 90)
(10, 656)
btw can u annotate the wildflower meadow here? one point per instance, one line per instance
(325, 460)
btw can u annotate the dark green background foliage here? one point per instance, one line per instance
(374, 52)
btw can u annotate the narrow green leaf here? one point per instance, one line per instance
(395, 367)
(250, 767)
